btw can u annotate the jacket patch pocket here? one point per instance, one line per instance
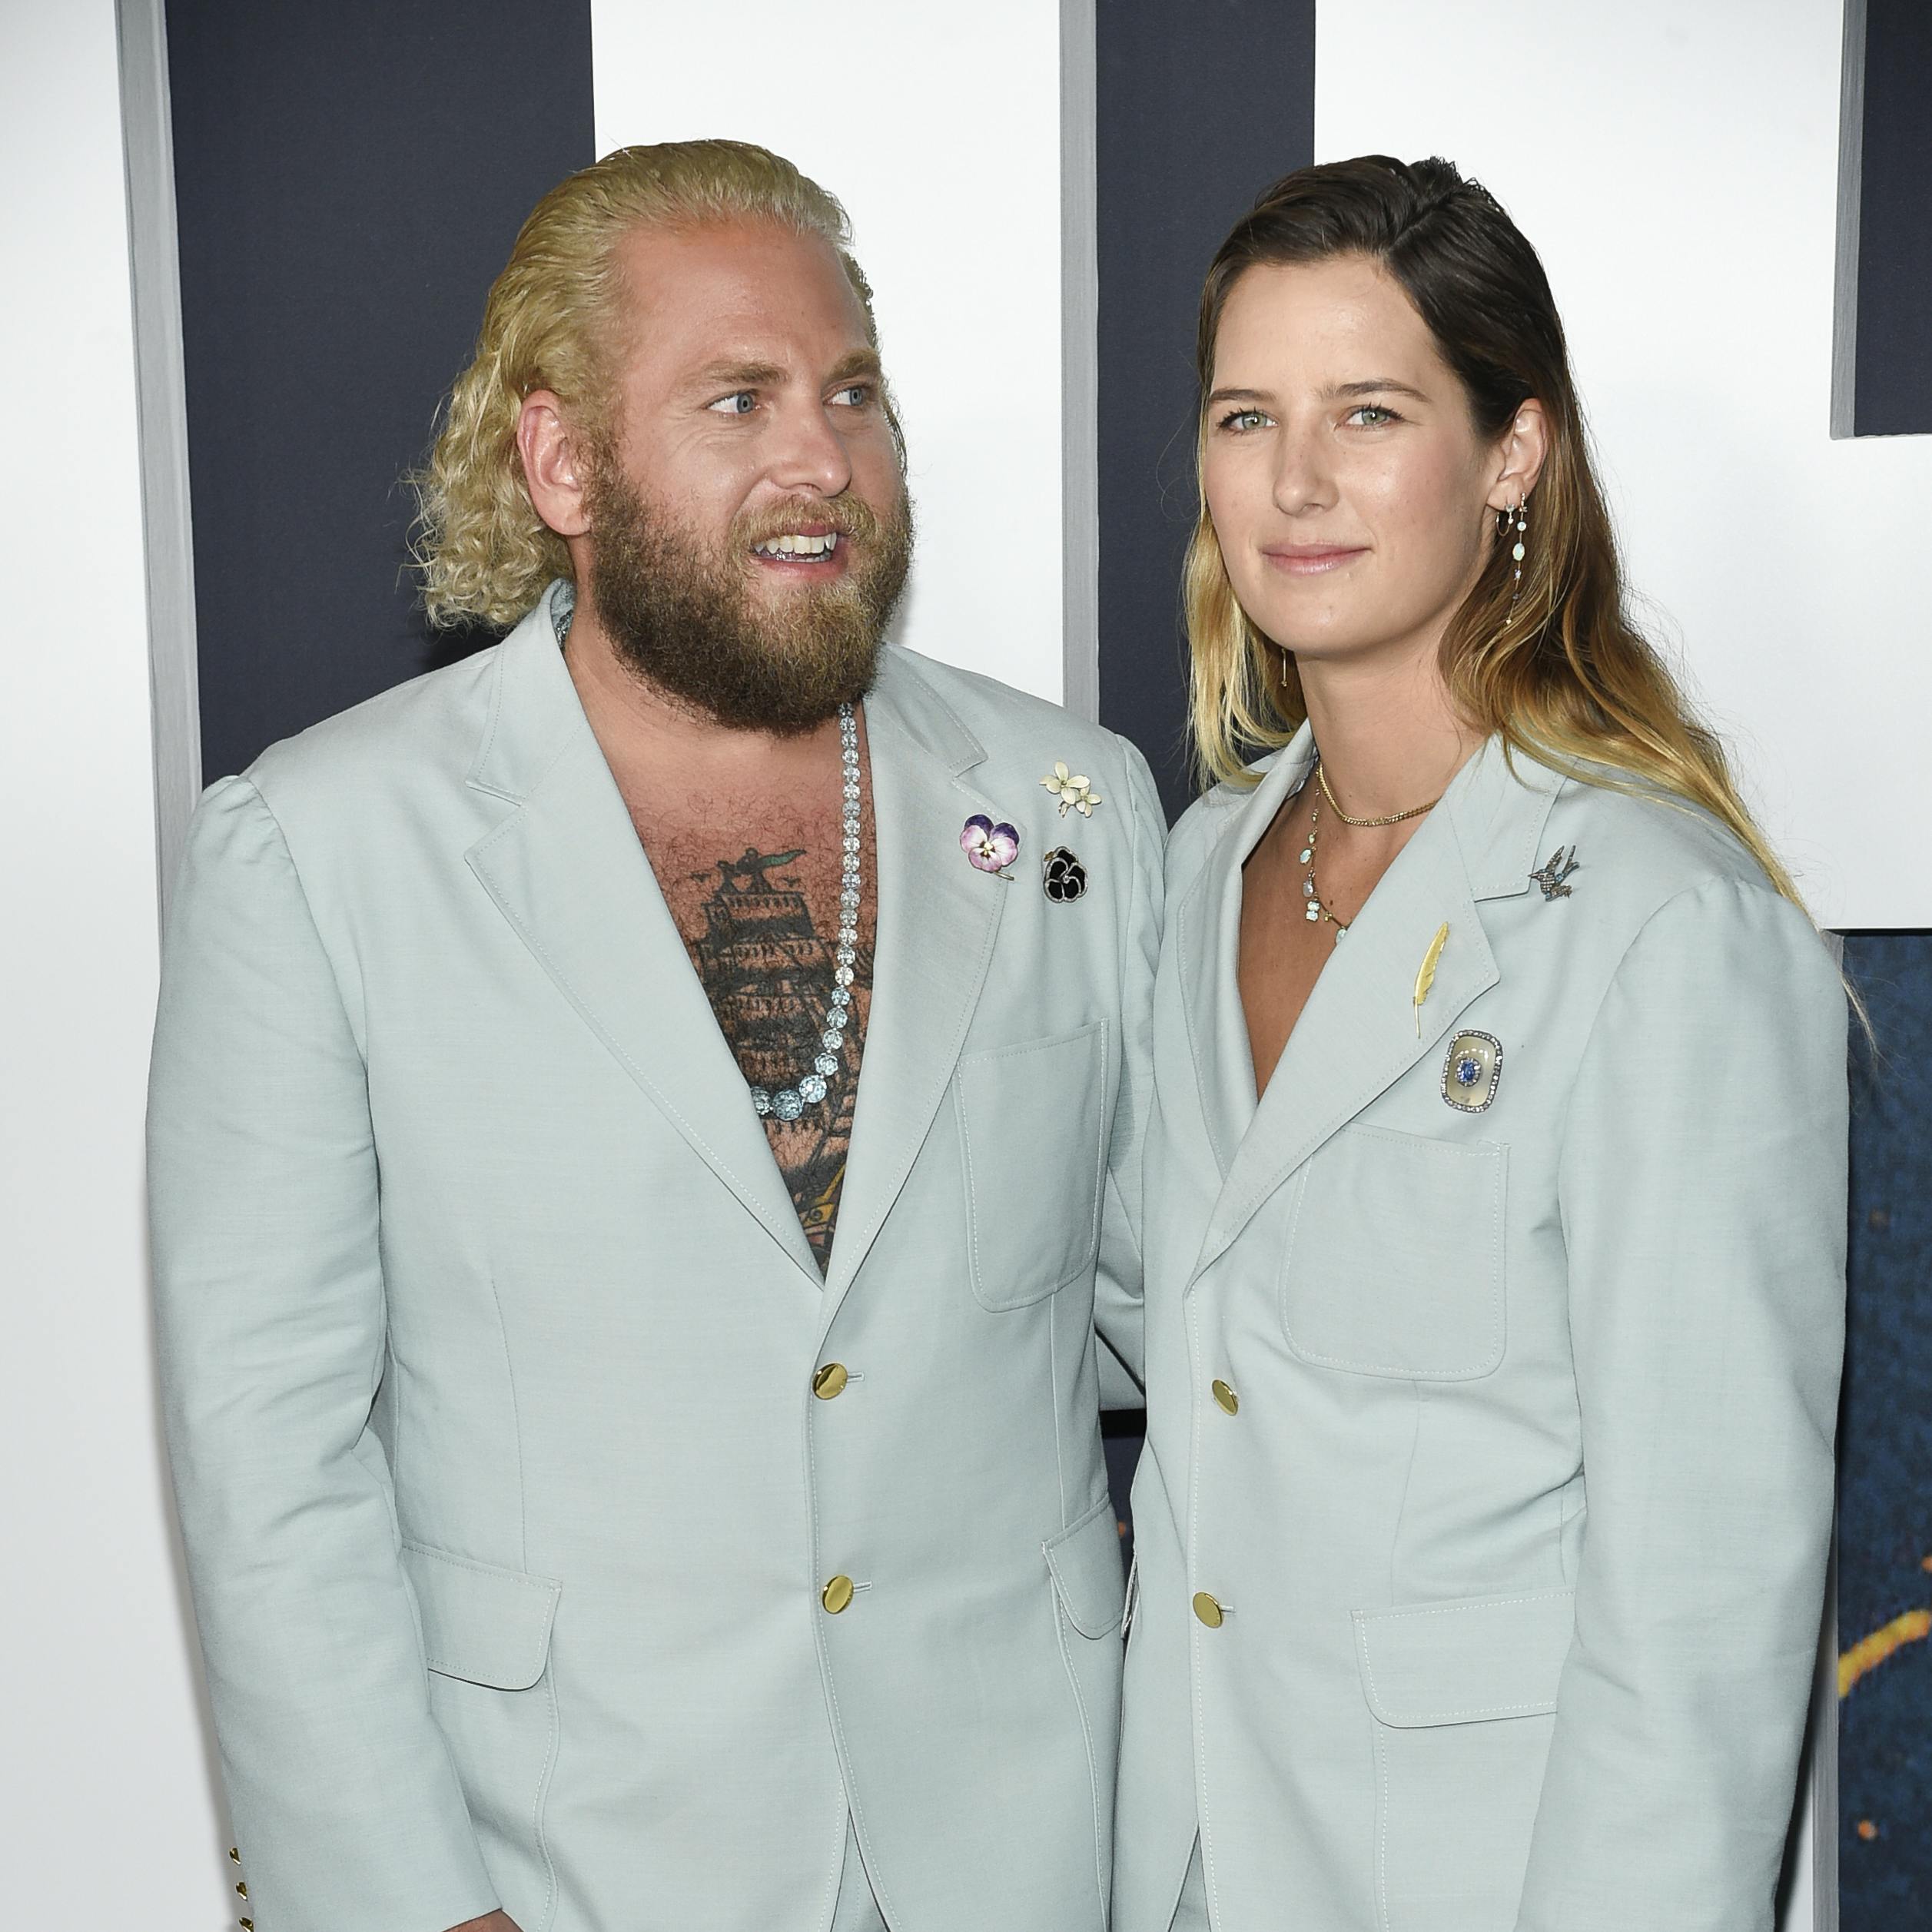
(486, 1641)
(1395, 1256)
(1033, 1124)
(1461, 1698)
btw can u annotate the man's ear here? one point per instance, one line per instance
(553, 466)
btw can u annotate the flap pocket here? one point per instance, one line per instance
(1088, 1575)
(484, 1625)
(1464, 1662)
(1033, 1123)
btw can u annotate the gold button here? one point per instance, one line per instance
(836, 1594)
(830, 1381)
(241, 1888)
(247, 1925)
(1225, 1395)
(1209, 1612)
(234, 1852)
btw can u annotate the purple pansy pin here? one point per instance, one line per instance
(990, 847)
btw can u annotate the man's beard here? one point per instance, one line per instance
(684, 618)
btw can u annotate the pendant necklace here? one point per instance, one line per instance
(789, 1102)
(1317, 910)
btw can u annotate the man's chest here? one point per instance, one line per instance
(779, 926)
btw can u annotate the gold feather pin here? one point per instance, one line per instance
(1426, 974)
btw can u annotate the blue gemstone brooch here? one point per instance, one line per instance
(1472, 1072)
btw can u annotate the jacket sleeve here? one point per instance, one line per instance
(270, 1312)
(1118, 1283)
(1702, 1188)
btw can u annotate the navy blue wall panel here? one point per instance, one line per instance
(350, 177)
(1197, 109)
(1893, 370)
(1885, 1451)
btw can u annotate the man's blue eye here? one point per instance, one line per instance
(739, 403)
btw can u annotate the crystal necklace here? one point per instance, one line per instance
(789, 1102)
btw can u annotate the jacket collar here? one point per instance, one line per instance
(567, 870)
(1361, 1030)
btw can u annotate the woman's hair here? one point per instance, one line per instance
(554, 321)
(1554, 666)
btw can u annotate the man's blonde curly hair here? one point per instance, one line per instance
(553, 322)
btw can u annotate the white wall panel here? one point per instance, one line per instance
(102, 1766)
(939, 129)
(1676, 167)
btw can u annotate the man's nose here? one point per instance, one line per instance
(807, 453)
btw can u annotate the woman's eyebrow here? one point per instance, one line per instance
(1376, 385)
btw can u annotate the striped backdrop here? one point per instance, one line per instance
(1733, 213)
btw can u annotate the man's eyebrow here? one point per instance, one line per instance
(721, 377)
(861, 362)
(736, 375)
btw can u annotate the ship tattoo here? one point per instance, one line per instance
(767, 971)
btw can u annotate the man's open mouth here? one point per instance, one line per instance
(803, 548)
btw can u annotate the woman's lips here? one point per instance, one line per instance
(1311, 562)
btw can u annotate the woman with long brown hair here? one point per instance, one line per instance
(1496, 1176)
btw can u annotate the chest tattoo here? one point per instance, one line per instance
(761, 929)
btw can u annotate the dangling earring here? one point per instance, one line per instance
(1522, 525)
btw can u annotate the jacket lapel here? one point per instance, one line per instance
(937, 920)
(1208, 941)
(567, 870)
(1359, 1032)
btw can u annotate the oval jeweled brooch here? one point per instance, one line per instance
(1471, 1072)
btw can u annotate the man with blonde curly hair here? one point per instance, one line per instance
(646, 1126)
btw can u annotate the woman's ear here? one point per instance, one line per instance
(552, 467)
(1520, 456)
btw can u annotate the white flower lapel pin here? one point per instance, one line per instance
(1073, 789)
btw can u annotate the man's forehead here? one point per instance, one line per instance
(755, 295)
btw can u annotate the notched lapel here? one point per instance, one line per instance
(1207, 944)
(567, 870)
(1358, 1033)
(938, 918)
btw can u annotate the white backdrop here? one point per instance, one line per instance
(944, 144)
(1677, 168)
(103, 1780)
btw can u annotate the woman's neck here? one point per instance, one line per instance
(1388, 737)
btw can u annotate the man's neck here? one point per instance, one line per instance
(657, 745)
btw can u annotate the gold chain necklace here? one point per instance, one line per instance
(1394, 817)
(1317, 910)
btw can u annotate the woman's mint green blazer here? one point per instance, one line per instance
(492, 1345)
(1482, 1529)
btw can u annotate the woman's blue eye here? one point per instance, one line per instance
(739, 403)
(1375, 410)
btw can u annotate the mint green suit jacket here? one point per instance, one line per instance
(489, 1333)
(1519, 1523)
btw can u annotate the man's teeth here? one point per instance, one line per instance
(798, 546)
